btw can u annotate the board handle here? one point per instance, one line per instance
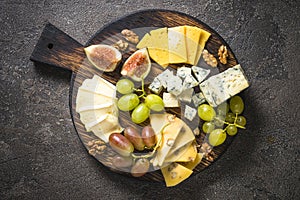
(56, 48)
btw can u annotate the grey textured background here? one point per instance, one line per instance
(41, 156)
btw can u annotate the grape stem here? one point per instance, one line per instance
(234, 123)
(151, 154)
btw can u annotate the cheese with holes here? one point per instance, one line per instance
(176, 154)
(192, 36)
(175, 174)
(189, 155)
(192, 164)
(202, 41)
(177, 45)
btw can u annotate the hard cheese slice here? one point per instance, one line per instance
(161, 56)
(192, 164)
(89, 116)
(168, 138)
(99, 86)
(177, 45)
(145, 41)
(175, 174)
(184, 137)
(189, 155)
(192, 36)
(203, 39)
(177, 154)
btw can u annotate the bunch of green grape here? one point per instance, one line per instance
(225, 114)
(140, 105)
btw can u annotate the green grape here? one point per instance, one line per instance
(140, 113)
(217, 137)
(236, 104)
(231, 130)
(206, 112)
(219, 121)
(128, 102)
(223, 109)
(208, 127)
(125, 86)
(241, 120)
(230, 117)
(154, 102)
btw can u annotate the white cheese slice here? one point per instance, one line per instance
(94, 107)
(99, 86)
(200, 73)
(90, 116)
(170, 100)
(104, 126)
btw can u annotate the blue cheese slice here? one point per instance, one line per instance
(221, 87)
(189, 112)
(156, 86)
(186, 95)
(198, 99)
(164, 77)
(189, 82)
(174, 85)
(182, 72)
(200, 73)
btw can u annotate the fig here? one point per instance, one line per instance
(103, 57)
(137, 66)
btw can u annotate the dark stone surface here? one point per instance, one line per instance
(41, 156)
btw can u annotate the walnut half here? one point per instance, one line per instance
(223, 54)
(209, 58)
(130, 36)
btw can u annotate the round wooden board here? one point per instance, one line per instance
(111, 34)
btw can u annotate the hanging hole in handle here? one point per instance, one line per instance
(50, 46)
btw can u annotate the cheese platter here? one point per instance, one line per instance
(154, 95)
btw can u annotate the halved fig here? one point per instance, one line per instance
(103, 57)
(137, 66)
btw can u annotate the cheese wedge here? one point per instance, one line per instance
(192, 164)
(168, 138)
(89, 116)
(144, 42)
(177, 154)
(177, 45)
(104, 126)
(189, 155)
(192, 36)
(87, 98)
(175, 174)
(184, 137)
(202, 41)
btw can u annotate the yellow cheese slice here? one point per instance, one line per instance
(202, 41)
(192, 164)
(159, 38)
(189, 155)
(192, 36)
(184, 137)
(175, 174)
(144, 42)
(161, 56)
(177, 45)
(168, 137)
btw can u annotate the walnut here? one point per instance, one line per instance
(130, 36)
(223, 54)
(209, 58)
(96, 147)
(207, 150)
(121, 45)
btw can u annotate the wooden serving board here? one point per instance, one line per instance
(58, 49)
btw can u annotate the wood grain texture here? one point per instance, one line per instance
(73, 58)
